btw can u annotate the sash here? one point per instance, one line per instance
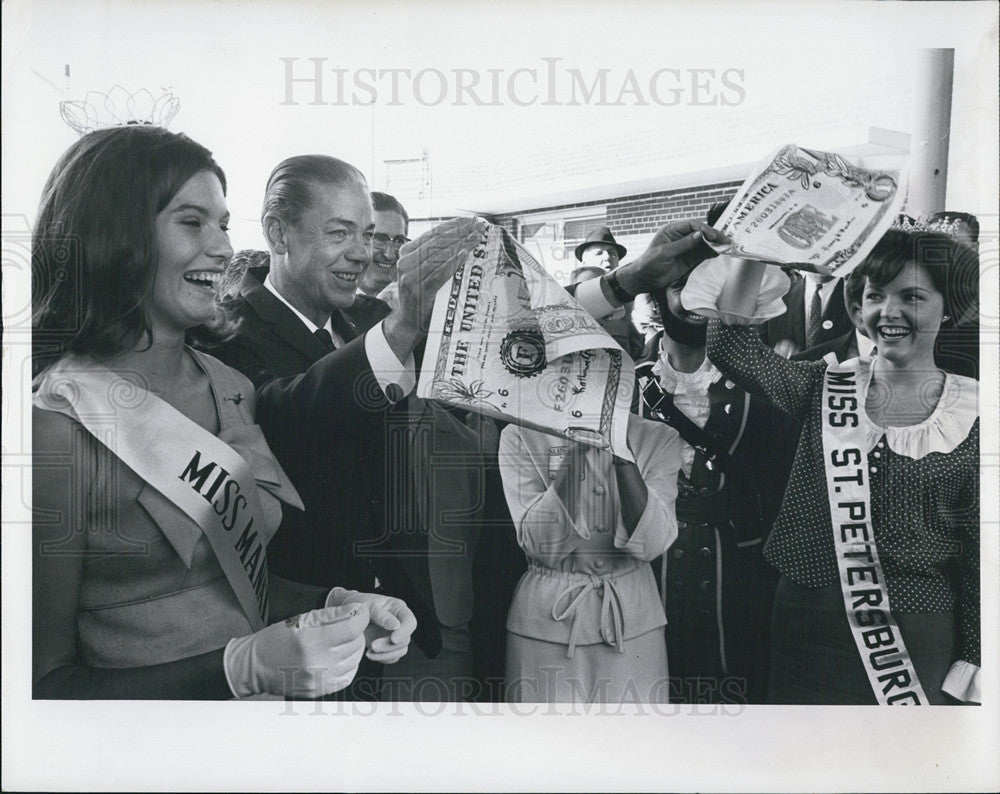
(661, 406)
(200, 474)
(866, 598)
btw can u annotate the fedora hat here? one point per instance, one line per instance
(602, 235)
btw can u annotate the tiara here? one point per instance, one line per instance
(942, 224)
(119, 108)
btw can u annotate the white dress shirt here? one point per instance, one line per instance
(812, 284)
(389, 371)
(590, 295)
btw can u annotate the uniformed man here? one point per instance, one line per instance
(714, 582)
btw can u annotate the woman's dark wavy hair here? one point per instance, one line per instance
(952, 265)
(93, 254)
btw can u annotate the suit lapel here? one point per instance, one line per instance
(844, 351)
(344, 326)
(796, 300)
(283, 320)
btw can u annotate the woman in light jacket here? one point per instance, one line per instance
(586, 622)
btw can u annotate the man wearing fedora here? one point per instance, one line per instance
(600, 250)
(600, 254)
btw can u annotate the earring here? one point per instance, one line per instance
(945, 318)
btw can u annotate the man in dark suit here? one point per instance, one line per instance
(815, 314)
(295, 340)
(853, 343)
(391, 226)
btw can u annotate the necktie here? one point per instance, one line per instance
(815, 317)
(324, 337)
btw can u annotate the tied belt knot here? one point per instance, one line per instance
(612, 614)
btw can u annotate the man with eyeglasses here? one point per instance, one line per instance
(376, 296)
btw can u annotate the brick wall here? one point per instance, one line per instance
(643, 214)
(509, 222)
(633, 220)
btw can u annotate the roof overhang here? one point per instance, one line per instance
(882, 150)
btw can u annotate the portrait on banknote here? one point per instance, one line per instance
(508, 341)
(811, 210)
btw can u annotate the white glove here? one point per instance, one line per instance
(308, 655)
(388, 634)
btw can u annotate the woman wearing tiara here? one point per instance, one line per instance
(154, 492)
(877, 539)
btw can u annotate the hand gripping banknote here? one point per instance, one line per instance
(811, 210)
(507, 341)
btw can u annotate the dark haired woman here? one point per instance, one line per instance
(155, 493)
(878, 534)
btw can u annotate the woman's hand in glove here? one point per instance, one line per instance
(388, 634)
(308, 655)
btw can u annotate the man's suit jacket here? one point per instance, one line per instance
(324, 416)
(843, 348)
(366, 312)
(957, 350)
(442, 462)
(792, 324)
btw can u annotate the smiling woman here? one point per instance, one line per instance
(192, 248)
(880, 521)
(89, 288)
(155, 493)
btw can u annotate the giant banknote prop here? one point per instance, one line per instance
(507, 341)
(812, 210)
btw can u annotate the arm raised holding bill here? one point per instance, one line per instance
(675, 250)
(886, 471)
(425, 265)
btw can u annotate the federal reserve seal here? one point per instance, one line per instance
(523, 352)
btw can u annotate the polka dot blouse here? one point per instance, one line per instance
(924, 483)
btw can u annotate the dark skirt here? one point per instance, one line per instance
(814, 660)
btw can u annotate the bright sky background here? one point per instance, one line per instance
(221, 58)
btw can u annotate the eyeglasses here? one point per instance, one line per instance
(383, 241)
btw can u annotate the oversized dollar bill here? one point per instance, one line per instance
(811, 210)
(507, 341)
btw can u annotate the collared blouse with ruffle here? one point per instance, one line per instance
(924, 482)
